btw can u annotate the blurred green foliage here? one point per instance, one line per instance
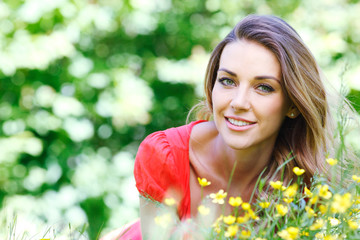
(83, 82)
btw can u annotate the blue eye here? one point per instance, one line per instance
(265, 88)
(227, 82)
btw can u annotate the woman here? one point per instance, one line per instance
(265, 103)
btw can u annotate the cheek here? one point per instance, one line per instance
(278, 108)
(275, 109)
(216, 100)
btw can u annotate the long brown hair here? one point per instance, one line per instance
(306, 137)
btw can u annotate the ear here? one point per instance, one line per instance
(293, 112)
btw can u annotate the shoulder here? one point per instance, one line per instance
(154, 153)
(154, 164)
(159, 141)
(202, 141)
(203, 133)
(175, 138)
(155, 141)
(162, 161)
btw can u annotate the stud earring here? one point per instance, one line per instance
(292, 115)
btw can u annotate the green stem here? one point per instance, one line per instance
(231, 176)
(257, 183)
(278, 169)
(229, 182)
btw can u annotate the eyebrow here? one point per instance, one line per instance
(256, 78)
(227, 71)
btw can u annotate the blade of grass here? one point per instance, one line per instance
(256, 184)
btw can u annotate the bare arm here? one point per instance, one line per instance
(149, 229)
(148, 212)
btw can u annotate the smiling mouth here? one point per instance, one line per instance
(238, 122)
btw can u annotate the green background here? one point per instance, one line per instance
(83, 82)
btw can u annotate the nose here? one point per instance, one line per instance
(241, 99)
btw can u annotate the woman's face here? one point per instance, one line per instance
(249, 104)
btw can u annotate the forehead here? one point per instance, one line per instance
(249, 57)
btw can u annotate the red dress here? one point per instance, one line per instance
(162, 163)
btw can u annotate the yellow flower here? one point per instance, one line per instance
(356, 178)
(245, 234)
(218, 197)
(307, 192)
(169, 201)
(314, 199)
(304, 233)
(311, 213)
(229, 220)
(284, 234)
(231, 231)
(319, 235)
(353, 225)
(235, 202)
(203, 182)
(203, 210)
(341, 203)
(264, 204)
(334, 221)
(281, 209)
(217, 228)
(332, 161)
(324, 191)
(243, 219)
(252, 214)
(323, 209)
(290, 233)
(258, 238)
(354, 211)
(293, 231)
(246, 206)
(291, 191)
(317, 225)
(276, 185)
(163, 220)
(330, 237)
(216, 224)
(288, 200)
(298, 171)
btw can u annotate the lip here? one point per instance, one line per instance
(239, 119)
(239, 128)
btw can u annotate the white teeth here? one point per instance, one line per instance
(238, 123)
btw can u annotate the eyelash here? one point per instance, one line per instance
(268, 89)
(222, 81)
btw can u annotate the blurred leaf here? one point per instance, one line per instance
(97, 213)
(354, 98)
(283, 8)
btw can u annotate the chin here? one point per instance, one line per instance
(238, 146)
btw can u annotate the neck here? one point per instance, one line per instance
(246, 164)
